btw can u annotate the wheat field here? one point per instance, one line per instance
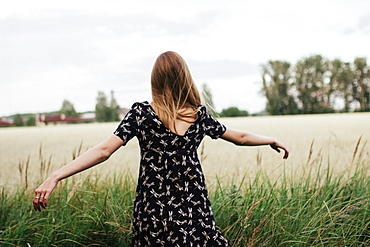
(315, 142)
(318, 197)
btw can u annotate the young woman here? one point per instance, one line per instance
(171, 206)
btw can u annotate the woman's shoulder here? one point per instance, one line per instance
(143, 108)
(140, 104)
(203, 112)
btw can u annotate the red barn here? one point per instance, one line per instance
(57, 119)
(5, 123)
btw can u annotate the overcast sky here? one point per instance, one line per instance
(72, 49)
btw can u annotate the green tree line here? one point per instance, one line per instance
(18, 120)
(313, 85)
(316, 85)
(106, 109)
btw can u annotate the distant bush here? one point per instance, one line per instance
(31, 121)
(18, 120)
(233, 111)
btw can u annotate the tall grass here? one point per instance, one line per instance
(92, 213)
(313, 208)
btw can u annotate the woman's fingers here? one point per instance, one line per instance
(36, 201)
(276, 146)
(273, 146)
(286, 154)
(40, 200)
(44, 199)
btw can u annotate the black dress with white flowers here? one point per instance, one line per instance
(171, 206)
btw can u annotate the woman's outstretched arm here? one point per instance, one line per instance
(90, 158)
(245, 138)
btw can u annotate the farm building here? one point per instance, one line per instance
(87, 117)
(56, 119)
(4, 123)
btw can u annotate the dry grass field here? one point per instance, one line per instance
(318, 197)
(315, 142)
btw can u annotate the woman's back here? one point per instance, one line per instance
(182, 125)
(171, 204)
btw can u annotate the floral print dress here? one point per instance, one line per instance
(171, 206)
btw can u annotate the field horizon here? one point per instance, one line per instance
(314, 141)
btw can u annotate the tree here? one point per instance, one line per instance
(361, 84)
(311, 85)
(233, 111)
(207, 99)
(101, 108)
(341, 77)
(316, 85)
(114, 107)
(31, 121)
(18, 120)
(277, 82)
(106, 111)
(68, 109)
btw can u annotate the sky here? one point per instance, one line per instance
(52, 51)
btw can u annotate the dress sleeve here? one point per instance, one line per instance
(128, 127)
(213, 128)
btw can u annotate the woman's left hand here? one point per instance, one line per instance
(277, 145)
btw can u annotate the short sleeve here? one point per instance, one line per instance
(128, 127)
(213, 127)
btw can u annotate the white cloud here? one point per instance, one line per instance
(50, 50)
(364, 23)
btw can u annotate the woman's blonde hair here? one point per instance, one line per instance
(173, 90)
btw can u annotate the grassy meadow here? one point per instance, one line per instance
(318, 197)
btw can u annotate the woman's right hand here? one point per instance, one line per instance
(43, 192)
(93, 156)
